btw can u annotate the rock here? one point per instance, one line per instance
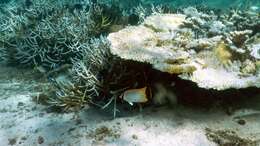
(171, 43)
(20, 104)
(12, 141)
(40, 140)
(241, 122)
(134, 136)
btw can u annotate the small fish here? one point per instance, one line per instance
(135, 95)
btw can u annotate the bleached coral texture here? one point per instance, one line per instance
(177, 44)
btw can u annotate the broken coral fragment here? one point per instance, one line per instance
(173, 43)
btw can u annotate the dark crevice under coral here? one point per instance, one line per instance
(188, 93)
(131, 75)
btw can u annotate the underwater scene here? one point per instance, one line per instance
(129, 72)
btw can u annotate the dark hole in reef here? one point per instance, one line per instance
(190, 94)
(135, 75)
(133, 19)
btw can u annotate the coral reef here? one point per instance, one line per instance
(216, 51)
(49, 33)
(64, 41)
(98, 79)
(82, 83)
(67, 41)
(3, 55)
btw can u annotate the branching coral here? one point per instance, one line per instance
(43, 35)
(3, 55)
(84, 83)
(192, 48)
(51, 35)
(96, 58)
(198, 45)
(98, 79)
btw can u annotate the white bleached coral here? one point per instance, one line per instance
(167, 22)
(221, 79)
(141, 43)
(217, 27)
(255, 51)
(171, 43)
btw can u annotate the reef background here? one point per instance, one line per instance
(211, 3)
(222, 119)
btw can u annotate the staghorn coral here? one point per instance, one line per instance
(96, 58)
(98, 79)
(3, 55)
(50, 34)
(187, 45)
(82, 84)
(62, 40)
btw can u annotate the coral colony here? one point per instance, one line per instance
(106, 58)
(218, 52)
(49, 36)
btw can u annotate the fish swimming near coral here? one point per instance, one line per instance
(135, 95)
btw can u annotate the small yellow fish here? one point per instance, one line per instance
(135, 95)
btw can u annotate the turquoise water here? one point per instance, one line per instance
(132, 3)
(211, 3)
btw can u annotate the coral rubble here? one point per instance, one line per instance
(215, 51)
